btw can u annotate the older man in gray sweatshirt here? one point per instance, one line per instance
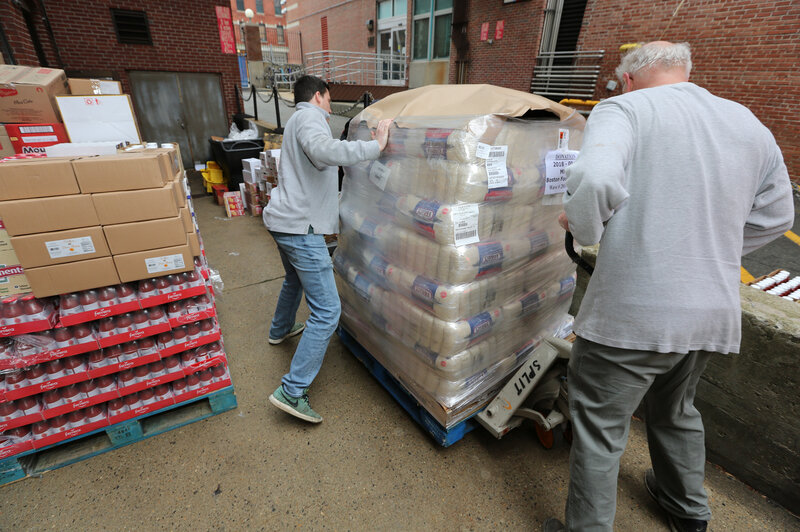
(304, 207)
(676, 184)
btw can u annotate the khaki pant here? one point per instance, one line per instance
(606, 384)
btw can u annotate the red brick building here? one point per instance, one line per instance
(166, 46)
(748, 51)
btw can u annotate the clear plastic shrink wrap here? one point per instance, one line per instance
(451, 264)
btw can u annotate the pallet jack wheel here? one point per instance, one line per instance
(546, 437)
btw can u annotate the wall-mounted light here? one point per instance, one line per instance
(249, 14)
(370, 24)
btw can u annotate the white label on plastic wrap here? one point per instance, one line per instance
(25, 130)
(70, 247)
(496, 167)
(556, 164)
(164, 264)
(465, 224)
(482, 152)
(379, 174)
(563, 139)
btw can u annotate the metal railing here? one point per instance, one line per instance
(560, 75)
(358, 68)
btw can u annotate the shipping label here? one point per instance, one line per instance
(379, 174)
(496, 169)
(164, 264)
(70, 247)
(465, 224)
(556, 164)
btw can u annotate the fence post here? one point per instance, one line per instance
(255, 101)
(277, 108)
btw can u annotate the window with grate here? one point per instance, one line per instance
(281, 35)
(131, 26)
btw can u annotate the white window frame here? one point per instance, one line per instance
(431, 16)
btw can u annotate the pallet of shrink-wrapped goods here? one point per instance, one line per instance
(451, 264)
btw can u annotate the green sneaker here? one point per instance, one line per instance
(296, 406)
(296, 329)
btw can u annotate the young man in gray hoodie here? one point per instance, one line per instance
(676, 184)
(304, 207)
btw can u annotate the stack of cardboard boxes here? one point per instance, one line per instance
(108, 349)
(260, 175)
(29, 114)
(87, 222)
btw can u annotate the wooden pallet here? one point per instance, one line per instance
(443, 436)
(36, 462)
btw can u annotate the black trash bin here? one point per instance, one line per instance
(229, 155)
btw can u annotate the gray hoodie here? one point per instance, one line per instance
(307, 195)
(676, 184)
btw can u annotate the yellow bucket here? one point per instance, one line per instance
(212, 175)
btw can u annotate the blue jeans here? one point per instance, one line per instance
(308, 270)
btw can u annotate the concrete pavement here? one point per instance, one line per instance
(366, 467)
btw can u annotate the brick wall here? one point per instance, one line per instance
(747, 51)
(507, 62)
(184, 33)
(268, 17)
(347, 29)
(17, 34)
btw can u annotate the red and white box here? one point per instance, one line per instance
(34, 138)
(15, 441)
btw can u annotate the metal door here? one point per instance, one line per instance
(181, 107)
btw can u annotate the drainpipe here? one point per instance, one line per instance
(49, 29)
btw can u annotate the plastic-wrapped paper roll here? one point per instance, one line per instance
(445, 181)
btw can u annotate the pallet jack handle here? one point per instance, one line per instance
(569, 244)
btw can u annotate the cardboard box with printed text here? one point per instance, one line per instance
(154, 263)
(58, 247)
(27, 94)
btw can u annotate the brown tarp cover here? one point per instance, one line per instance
(461, 100)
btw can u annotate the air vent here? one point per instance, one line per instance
(131, 26)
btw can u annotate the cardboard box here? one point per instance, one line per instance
(154, 263)
(5, 238)
(36, 178)
(86, 87)
(24, 217)
(99, 118)
(6, 149)
(234, 204)
(58, 247)
(135, 205)
(143, 236)
(34, 138)
(194, 243)
(186, 218)
(12, 277)
(72, 276)
(113, 173)
(27, 94)
(180, 192)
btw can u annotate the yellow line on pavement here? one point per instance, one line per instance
(746, 276)
(793, 237)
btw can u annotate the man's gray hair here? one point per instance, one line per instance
(664, 55)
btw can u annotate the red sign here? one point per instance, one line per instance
(225, 24)
(498, 29)
(484, 31)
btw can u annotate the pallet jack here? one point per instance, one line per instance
(538, 390)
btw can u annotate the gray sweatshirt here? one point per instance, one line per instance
(676, 184)
(307, 195)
